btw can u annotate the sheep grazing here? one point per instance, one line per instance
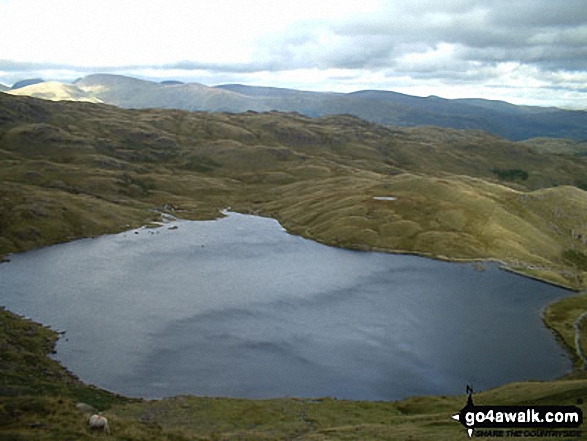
(98, 422)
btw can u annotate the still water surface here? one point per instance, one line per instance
(238, 307)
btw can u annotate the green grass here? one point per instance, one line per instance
(562, 317)
(453, 218)
(577, 258)
(38, 402)
(511, 174)
(72, 170)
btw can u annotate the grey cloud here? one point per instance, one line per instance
(460, 71)
(546, 57)
(20, 66)
(219, 67)
(538, 13)
(362, 53)
(547, 34)
(25, 66)
(323, 47)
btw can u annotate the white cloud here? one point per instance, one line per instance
(532, 50)
(131, 32)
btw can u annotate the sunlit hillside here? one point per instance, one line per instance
(55, 91)
(74, 169)
(71, 170)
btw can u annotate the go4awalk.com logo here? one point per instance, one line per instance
(520, 421)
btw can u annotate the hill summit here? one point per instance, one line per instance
(379, 106)
(24, 83)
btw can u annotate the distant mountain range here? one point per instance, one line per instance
(383, 107)
(25, 83)
(55, 91)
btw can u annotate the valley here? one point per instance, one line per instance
(79, 170)
(71, 170)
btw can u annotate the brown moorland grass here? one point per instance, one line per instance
(38, 401)
(317, 176)
(70, 170)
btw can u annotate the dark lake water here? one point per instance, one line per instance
(238, 307)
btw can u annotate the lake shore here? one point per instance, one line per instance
(56, 384)
(38, 394)
(341, 271)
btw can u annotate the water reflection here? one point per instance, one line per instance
(238, 307)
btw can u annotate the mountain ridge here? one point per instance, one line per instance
(383, 107)
(74, 169)
(27, 82)
(55, 91)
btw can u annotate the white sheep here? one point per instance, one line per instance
(98, 422)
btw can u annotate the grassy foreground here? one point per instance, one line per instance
(38, 401)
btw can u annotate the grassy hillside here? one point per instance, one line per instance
(55, 91)
(559, 146)
(134, 93)
(72, 170)
(76, 170)
(39, 401)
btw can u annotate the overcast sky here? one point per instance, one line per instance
(521, 51)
